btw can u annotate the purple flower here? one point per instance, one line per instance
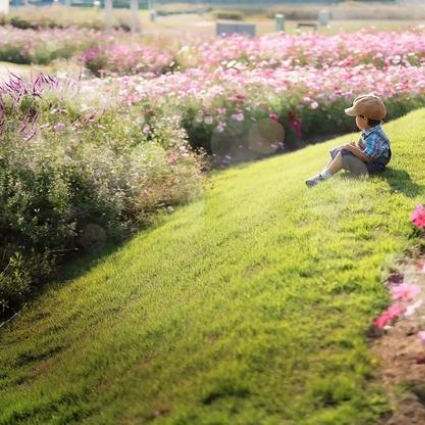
(405, 291)
(238, 117)
(59, 126)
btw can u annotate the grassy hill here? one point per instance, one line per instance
(250, 306)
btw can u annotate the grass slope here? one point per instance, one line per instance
(250, 306)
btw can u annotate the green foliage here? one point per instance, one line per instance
(234, 15)
(302, 125)
(14, 281)
(31, 47)
(22, 23)
(59, 16)
(74, 177)
(14, 54)
(56, 16)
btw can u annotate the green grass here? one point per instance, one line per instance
(249, 306)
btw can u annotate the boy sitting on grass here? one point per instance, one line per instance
(371, 153)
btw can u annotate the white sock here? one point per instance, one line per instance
(326, 174)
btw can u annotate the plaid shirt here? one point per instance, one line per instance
(375, 144)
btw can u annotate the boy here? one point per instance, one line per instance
(372, 152)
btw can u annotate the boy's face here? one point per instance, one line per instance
(362, 122)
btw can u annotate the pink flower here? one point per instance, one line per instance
(421, 336)
(220, 127)
(59, 126)
(274, 117)
(410, 309)
(172, 160)
(418, 216)
(405, 291)
(238, 117)
(389, 315)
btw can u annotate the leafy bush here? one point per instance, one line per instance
(234, 15)
(42, 47)
(58, 16)
(227, 89)
(120, 59)
(22, 23)
(50, 17)
(74, 175)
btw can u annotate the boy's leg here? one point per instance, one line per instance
(335, 165)
(333, 153)
(342, 159)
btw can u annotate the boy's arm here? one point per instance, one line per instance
(358, 153)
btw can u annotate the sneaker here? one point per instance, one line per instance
(314, 180)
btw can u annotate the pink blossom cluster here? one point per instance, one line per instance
(32, 46)
(345, 49)
(235, 81)
(304, 86)
(418, 216)
(406, 296)
(402, 293)
(124, 59)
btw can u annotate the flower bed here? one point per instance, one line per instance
(121, 59)
(406, 285)
(42, 47)
(225, 87)
(308, 102)
(76, 170)
(346, 49)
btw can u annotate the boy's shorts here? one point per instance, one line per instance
(355, 165)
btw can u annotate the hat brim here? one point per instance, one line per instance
(351, 112)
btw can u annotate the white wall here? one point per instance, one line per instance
(4, 6)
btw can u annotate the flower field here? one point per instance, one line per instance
(118, 136)
(42, 47)
(255, 300)
(229, 84)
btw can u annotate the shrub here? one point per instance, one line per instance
(43, 47)
(59, 16)
(127, 60)
(76, 173)
(234, 15)
(50, 17)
